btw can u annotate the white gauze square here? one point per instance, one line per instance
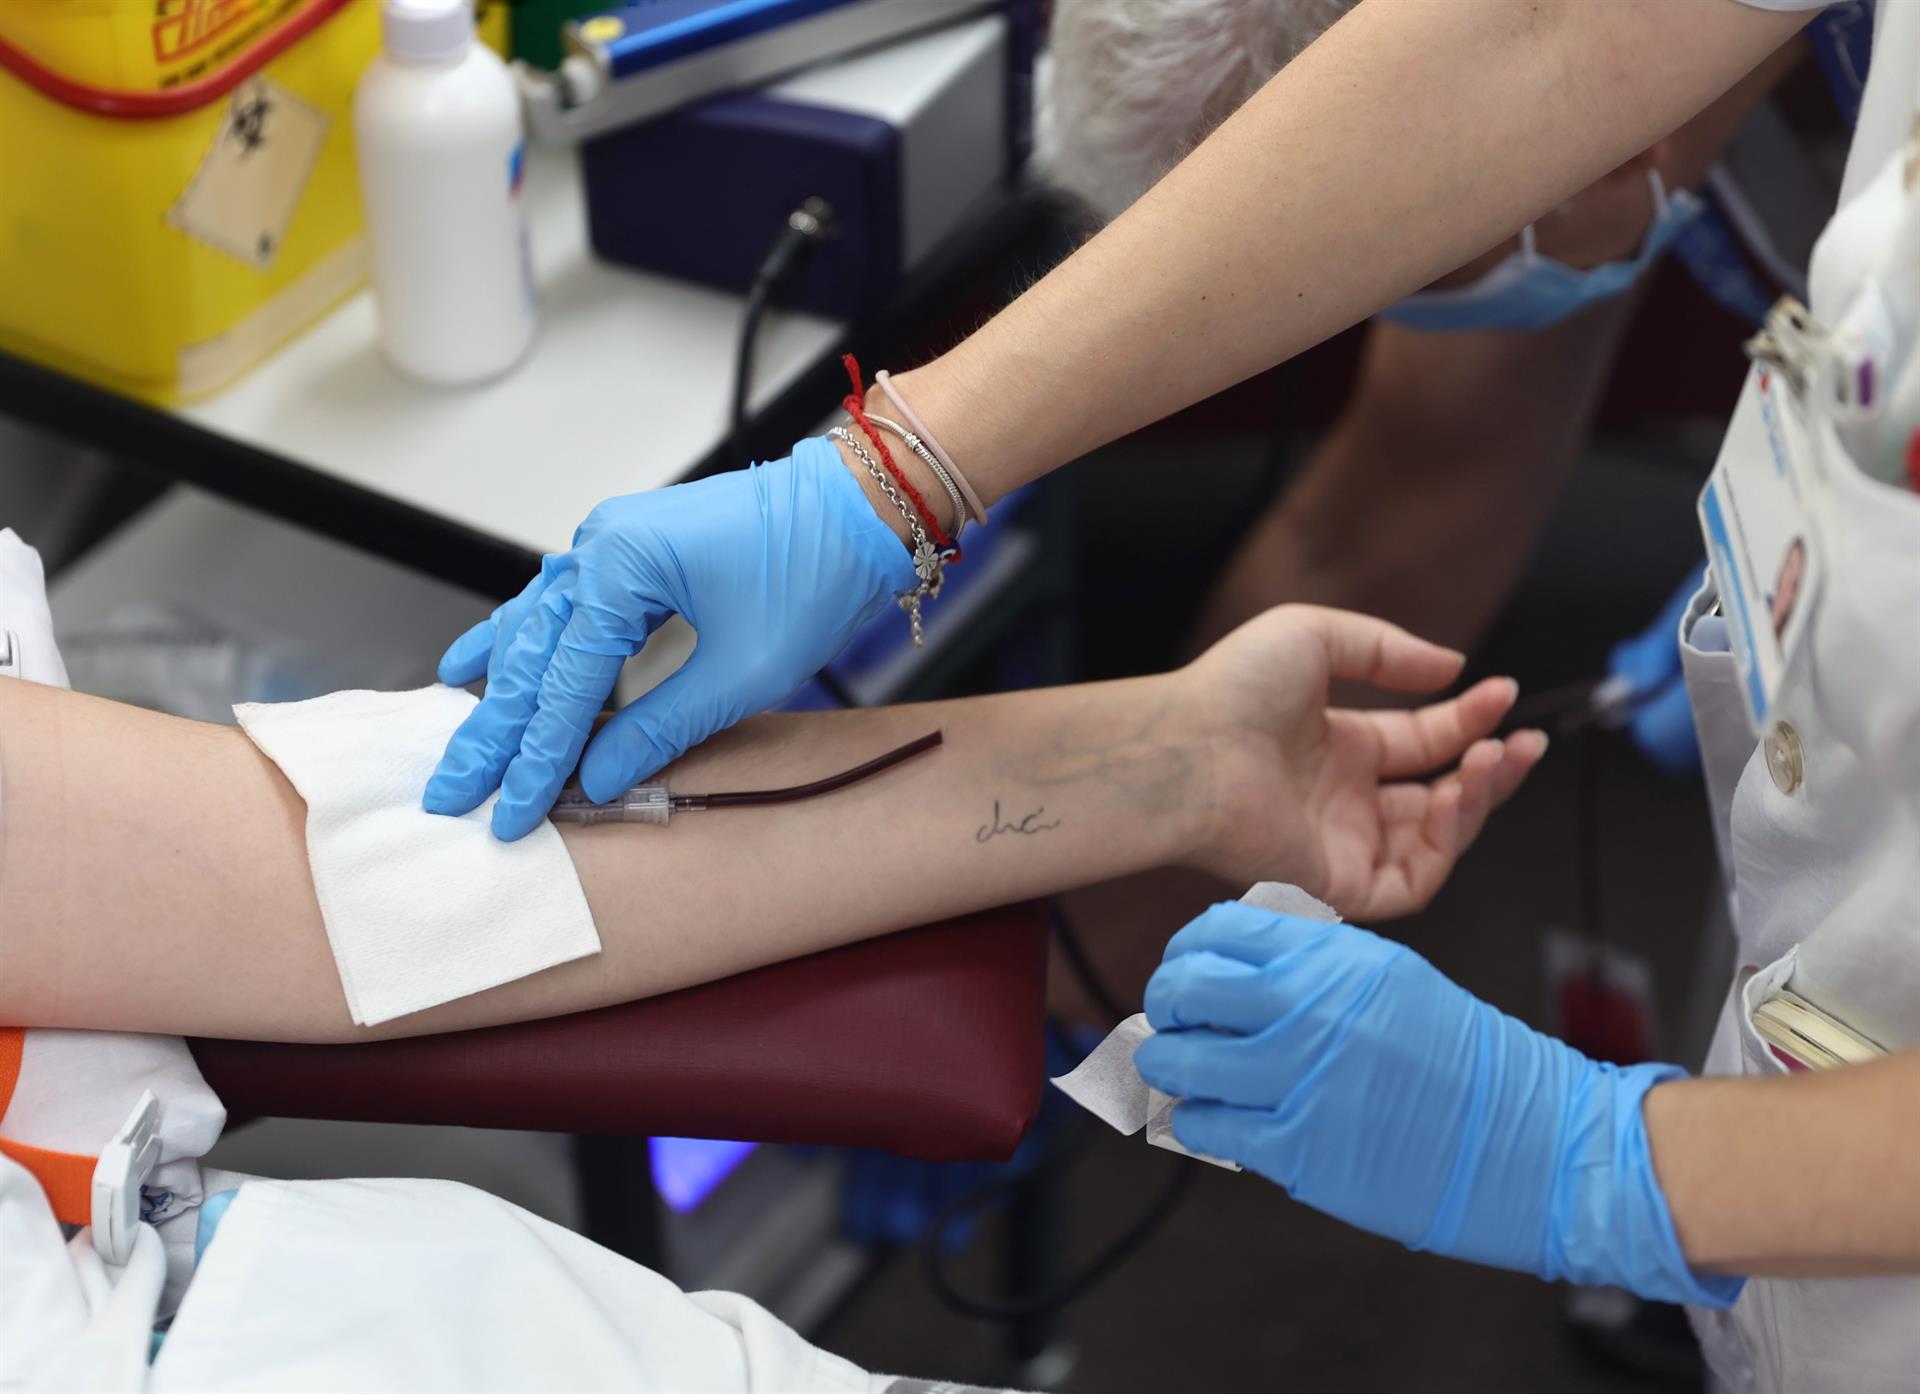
(1106, 1083)
(419, 908)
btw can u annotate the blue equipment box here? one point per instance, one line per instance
(653, 33)
(652, 56)
(903, 141)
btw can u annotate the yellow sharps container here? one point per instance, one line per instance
(177, 189)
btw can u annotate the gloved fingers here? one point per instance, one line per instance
(477, 756)
(1663, 730)
(1652, 656)
(1234, 929)
(1222, 1066)
(212, 1211)
(1222, 1130)
(887, 567)
(572, 691)
(1644, 661)
(1433, 737)
(513, 615)
(654, 730)
(1360, 648)
(466, 658)
(1211, 990)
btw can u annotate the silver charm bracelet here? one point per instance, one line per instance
(929, 563)
(919, 447)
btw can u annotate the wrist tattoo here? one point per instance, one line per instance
(1027, 826)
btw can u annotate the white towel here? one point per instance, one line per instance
(420, 908)
(24, 616)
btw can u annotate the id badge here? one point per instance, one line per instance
(1757, 515)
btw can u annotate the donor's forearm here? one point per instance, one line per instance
(154, 873)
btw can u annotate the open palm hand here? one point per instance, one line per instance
(1347, 802)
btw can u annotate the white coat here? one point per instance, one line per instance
(1818, 818)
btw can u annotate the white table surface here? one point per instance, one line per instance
(626, 387)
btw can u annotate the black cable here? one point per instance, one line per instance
(1586, 851)
(1576, 706)
(995, 1189)
(1586, 714)
(1076, 1285)
(808, 225)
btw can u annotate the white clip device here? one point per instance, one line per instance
(11, 659)
(124, 1166)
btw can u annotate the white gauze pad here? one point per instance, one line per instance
(1106, 1084)
(420, 908)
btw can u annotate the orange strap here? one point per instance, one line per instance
(66, 1177)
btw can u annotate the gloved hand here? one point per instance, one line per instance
(1662, 726)
(1346, 1068)
(774, 566)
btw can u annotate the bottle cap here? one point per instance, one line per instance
(426, 31)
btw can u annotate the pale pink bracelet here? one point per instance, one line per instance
(974, 506)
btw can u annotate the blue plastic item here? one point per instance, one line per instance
(775, 566)
(1660, 717)
(686, 1170)
(1527, 291)
(1350, 1071)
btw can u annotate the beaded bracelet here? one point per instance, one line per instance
(929, 562)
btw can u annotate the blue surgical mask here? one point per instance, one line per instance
(1527, 291)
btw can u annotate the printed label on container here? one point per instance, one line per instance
(244, 193)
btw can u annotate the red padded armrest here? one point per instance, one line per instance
(926, 1043)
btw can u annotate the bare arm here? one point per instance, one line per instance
(1453, 446)
(154, 876)
(1410, 137)
(1446, 460)
(1813, 1175)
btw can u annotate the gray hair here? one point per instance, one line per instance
(1138, 83)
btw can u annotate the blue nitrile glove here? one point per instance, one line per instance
(212, 1211)
(774, 567)
(1662, 725)
(1346, 1068)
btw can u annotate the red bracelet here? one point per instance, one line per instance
(856, 406)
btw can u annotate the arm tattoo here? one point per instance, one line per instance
(1027, 826)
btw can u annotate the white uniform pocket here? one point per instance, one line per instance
(1719, 717)
(1757, 985)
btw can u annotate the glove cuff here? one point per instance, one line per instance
(886, 564)
(1608, 1222)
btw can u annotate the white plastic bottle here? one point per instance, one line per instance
(438, 125)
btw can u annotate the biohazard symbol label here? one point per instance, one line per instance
(244, 193)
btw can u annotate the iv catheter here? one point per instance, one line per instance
(655, 803)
